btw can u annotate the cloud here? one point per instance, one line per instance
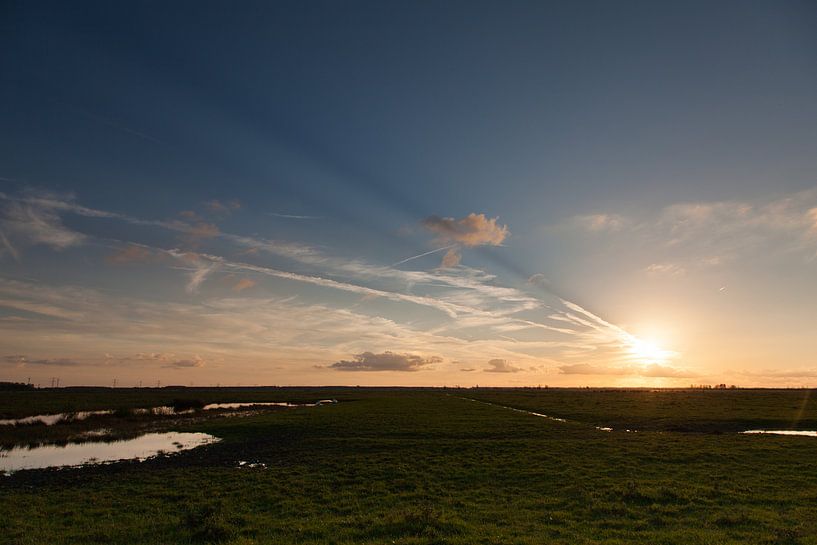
(221, 207)
(165, 360)
(418, 256)
(653, 370)
(451, 259)
(33, 222)
(195, 362)
(132, 253)
(7, 246)
(665, 269)
(244, 284)
(812, 214)
(385, 361)
(295, 216)
(16, 359)
(474, 304)
(706, 234)
(190, 215)
(501, 366)
(658, 370)
(202, 230)
(781, 373)
(200, 267)
(20, 360)
(472, 230)
(539, 280)
(601, 222)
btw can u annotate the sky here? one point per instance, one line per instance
(408, 193)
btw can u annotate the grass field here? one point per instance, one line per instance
(426, 466)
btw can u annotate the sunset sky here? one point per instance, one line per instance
(409, 193)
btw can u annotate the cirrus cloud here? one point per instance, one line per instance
(501, 366)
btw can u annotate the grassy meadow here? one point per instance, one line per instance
(424, 466)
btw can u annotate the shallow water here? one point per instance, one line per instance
(51, 419)
(213, 406)
(97, 452)
(805, 433)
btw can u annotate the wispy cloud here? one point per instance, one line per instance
(651, 370)
(216, 206)
(20, 361)
(601, 222)
(243, 284)
(30, 224)
(418, 256)
(501, 366)
(295, 216)
(132, 253)
(471, 302)
(699, 235)
(185, 363)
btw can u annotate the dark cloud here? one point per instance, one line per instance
(185, 364)
(385, 361)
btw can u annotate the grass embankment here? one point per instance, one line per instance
(429, 468)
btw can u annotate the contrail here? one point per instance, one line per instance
(295, 217)
(422, 255)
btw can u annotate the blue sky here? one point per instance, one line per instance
(198, 174)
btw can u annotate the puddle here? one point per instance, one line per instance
(213, 406)
(79, 454)
(163, 410)
(540, 415)
(253, 465)
(51, 419)
(805, 433)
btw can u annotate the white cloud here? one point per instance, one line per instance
(472, 230)
(601, 222)
(665, 269)
(706, 234)
(31, 223)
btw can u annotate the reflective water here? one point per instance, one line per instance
(51, 419)
(806, 433)
(78, 454)
(213, 406)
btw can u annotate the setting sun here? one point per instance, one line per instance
(649, 351)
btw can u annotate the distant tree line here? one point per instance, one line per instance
(15, 386)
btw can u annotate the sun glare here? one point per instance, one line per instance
(648, 351)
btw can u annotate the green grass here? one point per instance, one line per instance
(665, 410)
(413, 467)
